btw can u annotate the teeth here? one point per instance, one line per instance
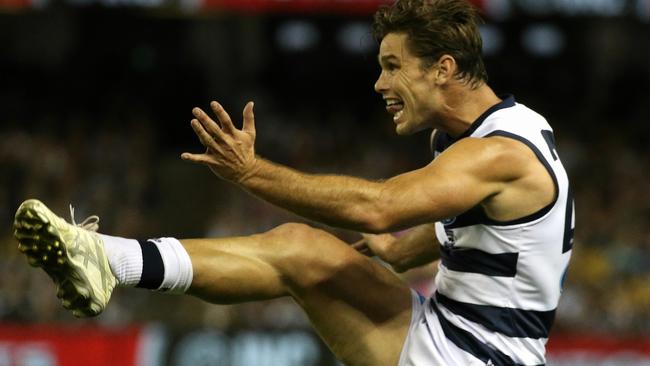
(390, 102)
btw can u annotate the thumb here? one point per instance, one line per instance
(249, 119)
(196, 158)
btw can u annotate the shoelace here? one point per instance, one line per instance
(91, 223)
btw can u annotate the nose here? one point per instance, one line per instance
(381, 85)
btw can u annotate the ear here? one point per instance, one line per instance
(445, 69)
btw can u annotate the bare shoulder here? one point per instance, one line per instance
(520, 183)
(493, 158)
(499, 173)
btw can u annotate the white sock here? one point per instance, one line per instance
(125, 259)
(158, 264)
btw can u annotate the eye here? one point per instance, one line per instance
(391, 66)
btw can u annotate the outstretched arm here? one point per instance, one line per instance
(446, 187)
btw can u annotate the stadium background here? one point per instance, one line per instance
(95, 100)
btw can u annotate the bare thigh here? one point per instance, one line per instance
(359, 308)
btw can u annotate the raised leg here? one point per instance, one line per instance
(360, 309)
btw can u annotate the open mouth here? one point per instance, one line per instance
(395, 107)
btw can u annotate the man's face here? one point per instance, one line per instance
(405, 85)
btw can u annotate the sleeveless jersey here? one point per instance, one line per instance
(499, 283)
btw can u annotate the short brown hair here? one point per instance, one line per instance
(435, 28)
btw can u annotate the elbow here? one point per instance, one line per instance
(377, 213)
(376, 222)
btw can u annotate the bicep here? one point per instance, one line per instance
(459, 179)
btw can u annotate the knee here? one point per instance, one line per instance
(300, 243)
(308, 256)
(294, 232)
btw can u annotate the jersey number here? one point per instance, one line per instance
(550, 141)
(569, 217)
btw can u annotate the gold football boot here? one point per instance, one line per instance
(72, 255)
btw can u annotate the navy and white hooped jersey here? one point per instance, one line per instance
(499, 283)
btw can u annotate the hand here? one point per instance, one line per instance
(230, 153)
(375, 245)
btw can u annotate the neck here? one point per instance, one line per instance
(463, 106)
